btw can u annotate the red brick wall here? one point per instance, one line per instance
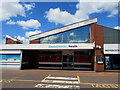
(97, 36)
(10, 41)
(36, 41)
(92, 33)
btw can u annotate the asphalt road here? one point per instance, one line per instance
(58, 79)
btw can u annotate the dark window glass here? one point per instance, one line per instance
(50, 52)
(82, 52)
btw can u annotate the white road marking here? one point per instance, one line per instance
(57, 86)
(65, 78)
(60, 81)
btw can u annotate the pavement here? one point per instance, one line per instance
(59, 79)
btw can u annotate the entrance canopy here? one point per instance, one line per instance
(47, 46)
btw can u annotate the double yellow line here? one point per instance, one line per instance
(79, 81)
(10, 80)
(33, 80)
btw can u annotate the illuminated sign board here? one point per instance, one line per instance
(62, 46)
(46, 46)
(111, 48)
(57, 46)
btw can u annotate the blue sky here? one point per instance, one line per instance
(24, 19)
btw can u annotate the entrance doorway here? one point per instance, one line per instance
(68, 62)
(41, 59)
(29, 59)
(112, 62)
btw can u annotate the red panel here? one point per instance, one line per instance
(82, 58)
(56, 58)
(50, 58)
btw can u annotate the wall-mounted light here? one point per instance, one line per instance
(98, 47)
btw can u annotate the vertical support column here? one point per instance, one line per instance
(97, 37)
(21, 53)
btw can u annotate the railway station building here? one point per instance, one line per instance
(83, 45)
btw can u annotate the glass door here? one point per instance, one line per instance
(68, 62)
(112, 62)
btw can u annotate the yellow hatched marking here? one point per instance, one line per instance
(98, 83)
(6, 80)
(78, 79)
(46, 77)
(102, 85)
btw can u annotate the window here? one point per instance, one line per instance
(99, 59)
(9, 58)
(79, 35)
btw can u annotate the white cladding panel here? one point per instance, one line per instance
(10, 51)
(48, 46)
(55, 31)
(111, 48)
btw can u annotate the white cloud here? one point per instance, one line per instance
(58, 16)
(9, 0)
(115, 12)
(98, 6)
(29, 6)
(84, 9)
(11, 22)
(29, 24)
(13, 9)
(23, 39)
(51, 38)
(2, 41)
(32, 33)
(117, 27)
(72, 34)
